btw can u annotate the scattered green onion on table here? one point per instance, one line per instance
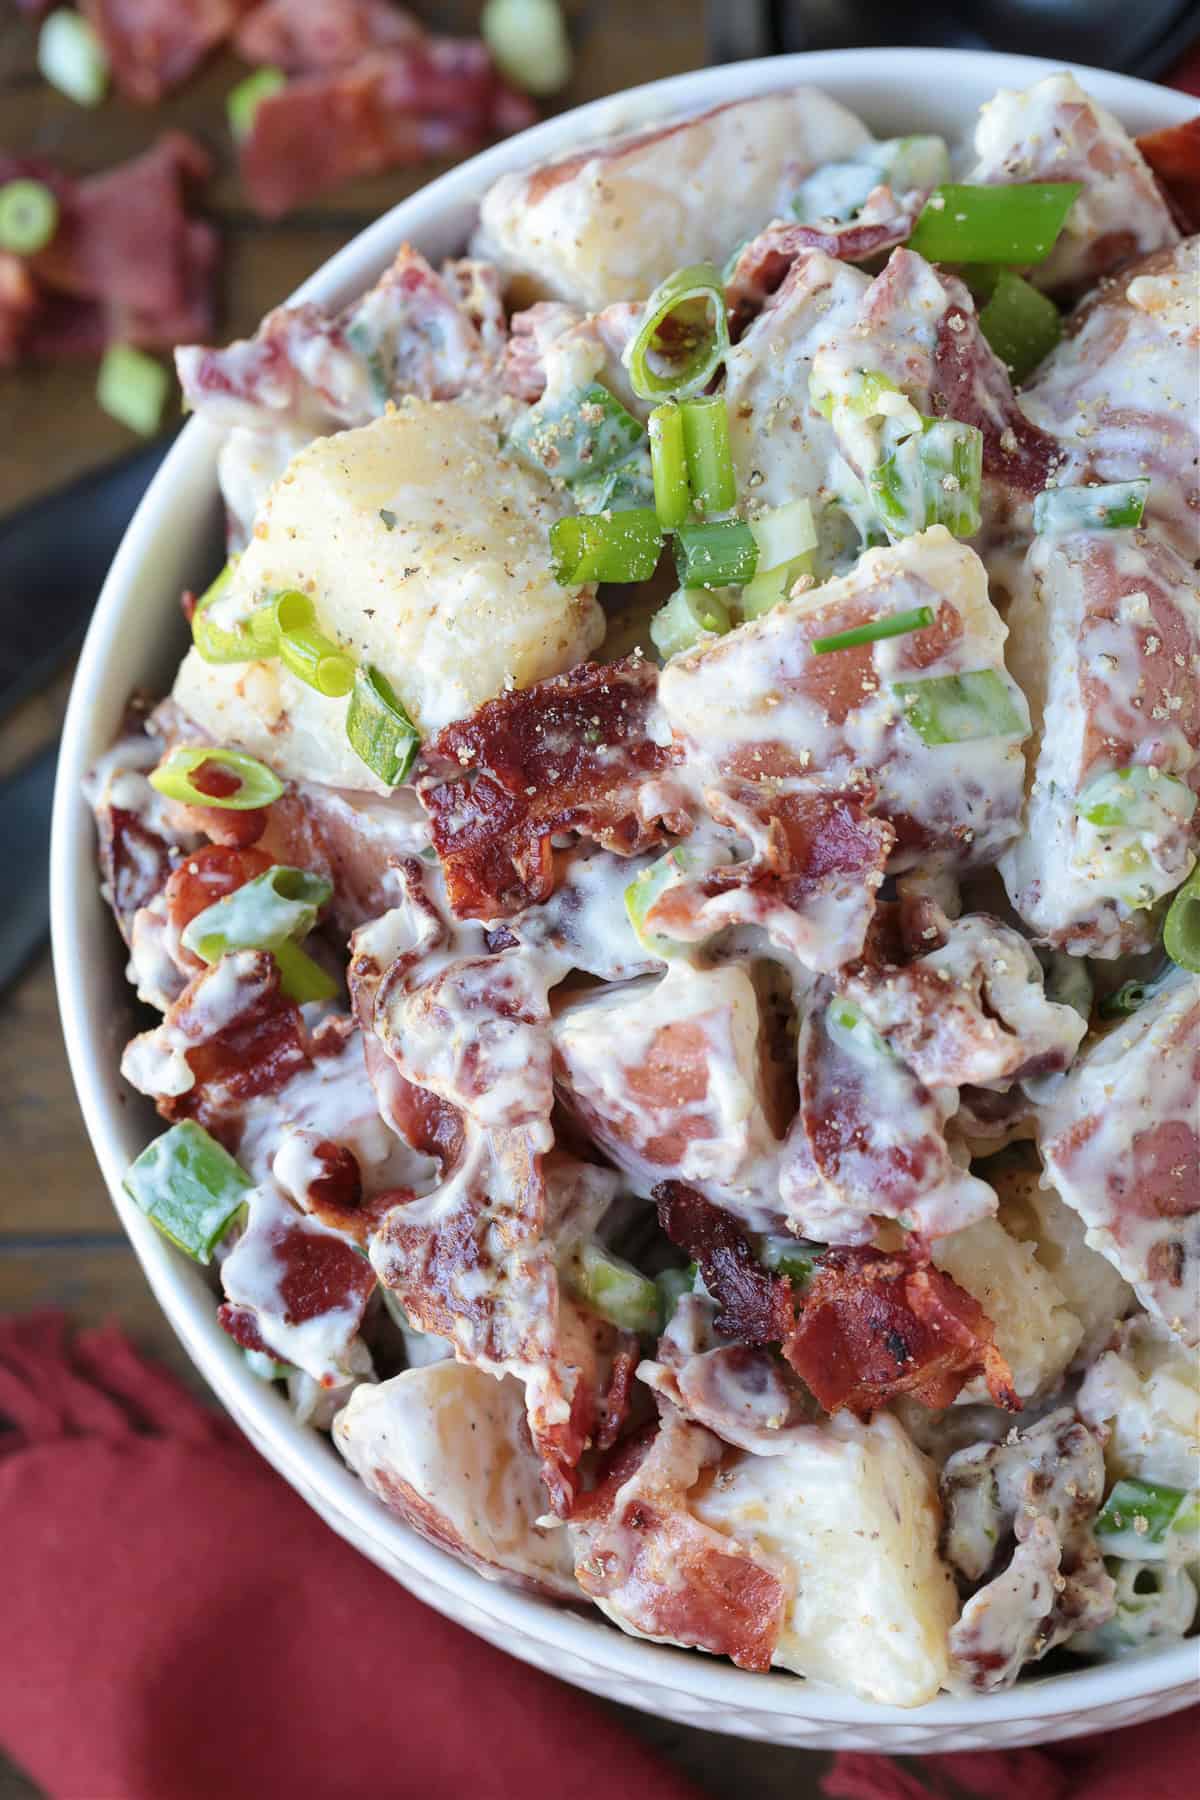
(132, 388)
(72, 58)
(243, 101)
(28, 216)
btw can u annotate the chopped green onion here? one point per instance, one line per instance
(72, 58)
(232, 779)
(668, 464)
(721, 553)
(243, 101)
(1145, 1520)
(853, 1034)
(529, 42)
(1021, 325)
(627, 488)
(783, 533)
(28, 216)
(1131, 996)
(1155, 1604)
(614, 1289)
(932, 477)
(381, 733)
(311, 656)
(791, 1256)
(683, 337)
(582, 434)
(249, 640)
(709, 455)
(771, 587)
(643, 894)
(280, 903)
(132, 388)
(958, 709)
(266, 1367)
(898, 625)
(672, 1285)
(1136, 799)
(1112, 507)
(689, 615)
(861, 393)
(189, 1186)
(1181, 933)
(590, 547)
(1017, 224)
(300, 978)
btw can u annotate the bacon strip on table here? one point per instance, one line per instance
(126, 261)
(303, 36)
(154, 45)
(874, 1324)
(1174, 155)
(755, 1305)
(573, 753)
(721, 1597)
(436, 97)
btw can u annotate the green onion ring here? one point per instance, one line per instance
(689, 307)
(256, 784)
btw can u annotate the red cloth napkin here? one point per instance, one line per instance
(176, 1624)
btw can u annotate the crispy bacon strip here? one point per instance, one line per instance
(635, 1523)
(154, 45)
(756, 1306)
(763, 263)
(873, 1325)
(1174, 155)
(570, 754)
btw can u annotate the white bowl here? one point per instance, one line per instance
(135, 640)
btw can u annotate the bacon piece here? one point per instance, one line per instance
(765, 261)
(205, 877)
(303, 36)
(869, 1141)
(755, 1305)
(435, 97)
(1121, 1144)
(1174, 155)
(230, 1036)
(873, 1325)
(572, 753)
(721, 1596)
(154, 45)
(746, 1395)
(135, 863)
(125, 261)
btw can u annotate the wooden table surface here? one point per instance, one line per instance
(60, 1242)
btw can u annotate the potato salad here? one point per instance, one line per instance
(666, 894)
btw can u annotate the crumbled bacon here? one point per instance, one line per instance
(154, 45)
(435, 97)
(1174, 155)
(135, 862)
(756, 1306)
(125, 260)
(206, 876)
(763, 263)
(635, 1523)
(569, 754)
(286, 1271)
(873, 1325)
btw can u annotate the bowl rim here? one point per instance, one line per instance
(306, 1460)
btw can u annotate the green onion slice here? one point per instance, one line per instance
(793, 1257)
(248, 640)
(582, 434)
(311, 656)
(1114, 506)
(203, 775)
(627, 488)
(72, 58)
(1017, 224)
(853, 1034)
(1131, 996)
(592, 547)
(1146, 1521)
(614, 1289)
(381, 733)
(898, 625)
(28, 216)
(709, 455)
(683, 337)
(1135, 799)
(1181, 933)
(243, 101)
(189, 1186)
(300, 978)
(132, 388)
(720, 553)
(689, 615)
(932, 477)
(958, 709)
(280, 903)
(771, 587)
(668, 465)
(783, 533)
(644, 892)
(266, 1367)
(528, 39)
(1021, 325)
(672, 1285)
